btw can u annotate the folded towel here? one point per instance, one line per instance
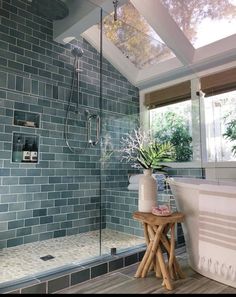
(134, 178)
(133, 187)
(160, 178)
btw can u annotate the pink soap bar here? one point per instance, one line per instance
(162, 210)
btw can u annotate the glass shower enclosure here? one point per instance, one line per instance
(72, 206)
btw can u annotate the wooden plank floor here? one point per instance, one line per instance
(123, 282)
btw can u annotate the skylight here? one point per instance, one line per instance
(203, 21)
(135, 38)
(156, 41)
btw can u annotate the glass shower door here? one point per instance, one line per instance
(119, 116)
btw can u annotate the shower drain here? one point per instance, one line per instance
(46, 258)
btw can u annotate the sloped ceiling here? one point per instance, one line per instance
(84, 15)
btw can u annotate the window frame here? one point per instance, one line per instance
(203, 163)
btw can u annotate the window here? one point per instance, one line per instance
(174, 123)
(220, 127)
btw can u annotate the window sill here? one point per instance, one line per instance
(231, 164)
(183, 164)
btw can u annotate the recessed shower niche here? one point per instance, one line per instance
(25, 148)
(24, 145)
(26, 119)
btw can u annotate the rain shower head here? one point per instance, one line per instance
(77, 51)
(51, 9)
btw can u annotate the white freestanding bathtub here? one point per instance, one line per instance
(209, 226)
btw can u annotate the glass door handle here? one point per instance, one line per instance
(98, 128)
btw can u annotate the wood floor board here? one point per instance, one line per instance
(97, 284)
(129, 270)
(137, 285)
(228, 290)
(177, 285)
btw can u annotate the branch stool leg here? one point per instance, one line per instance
(153, 250)
(164, 271)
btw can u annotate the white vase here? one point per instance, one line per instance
(147, 191)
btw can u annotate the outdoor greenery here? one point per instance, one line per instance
(172, 127)
(230, 134)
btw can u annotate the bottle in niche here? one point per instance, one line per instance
(26, 152)
(34, 152)
(17, 154)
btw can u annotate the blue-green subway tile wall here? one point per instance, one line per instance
(60, 194)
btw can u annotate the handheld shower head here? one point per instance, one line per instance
(77, 51)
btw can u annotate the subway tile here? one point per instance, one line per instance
(16, 206)
(3, 226)
(53, 227)
(45, 236)
(14, 242)
(99, 270)
(15, 224)
(3, 80)
(46, 220)
(9, 216)
(58, 284)
(30, 69)
(59, 233)
(31, 238)
(39, 212)
(23, 231)
(16, 49)
(116, 264)
(129, 260)
(15, 65)
(7, 38)
(26, 180)
(80, 276)
(36, 289)
(7, 234)
(31, 222)
(4, 207)
(32, 204)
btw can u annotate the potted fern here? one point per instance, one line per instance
(139, 149)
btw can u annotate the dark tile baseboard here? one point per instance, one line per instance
(61, 279)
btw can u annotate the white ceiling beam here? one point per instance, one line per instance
(221, 48)
(169, 70)
(83, 14)
(160, 20)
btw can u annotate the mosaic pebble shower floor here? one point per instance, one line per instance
(24, 260)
